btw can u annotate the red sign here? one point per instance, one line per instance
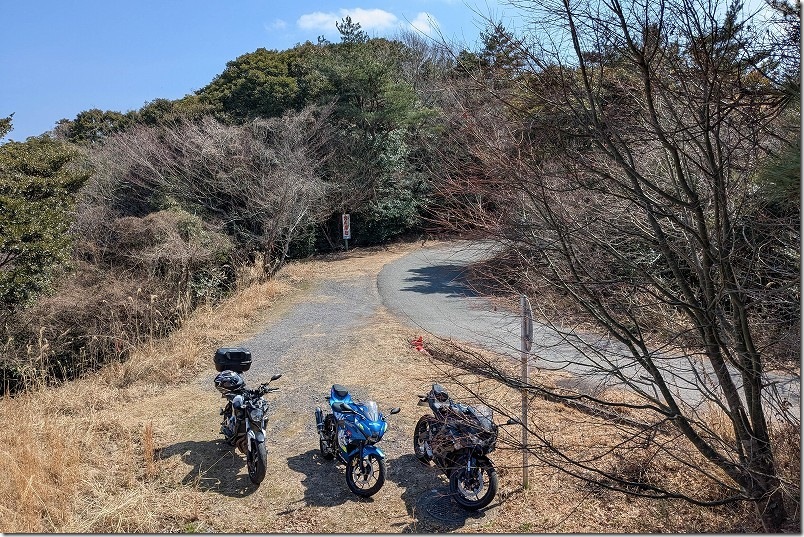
(347, 228)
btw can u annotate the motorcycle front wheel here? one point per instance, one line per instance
(365, 477)
(257, 461)
(421, 440)
(474, 489)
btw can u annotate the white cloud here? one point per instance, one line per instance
(369, 19)
(278, 24)
(317, 21)
(424, 23)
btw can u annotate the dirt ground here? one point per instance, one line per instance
(142, 452)
(302, 492)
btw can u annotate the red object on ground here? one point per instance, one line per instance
(418, 344)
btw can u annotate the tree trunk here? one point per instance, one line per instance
(763, 484)
(771, 511)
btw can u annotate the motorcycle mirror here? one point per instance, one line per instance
(394, 410)
(341, 407)
(275, 377)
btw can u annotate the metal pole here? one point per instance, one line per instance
(526, 338)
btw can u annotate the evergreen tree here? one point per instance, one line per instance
(37, 191)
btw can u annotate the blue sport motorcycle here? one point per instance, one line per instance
(351, 433)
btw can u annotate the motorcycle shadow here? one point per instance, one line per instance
(215, 466)
(427, 498)
(324, 481)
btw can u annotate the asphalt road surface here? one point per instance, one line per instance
(426, 288)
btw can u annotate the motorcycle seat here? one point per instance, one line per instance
(340, 391)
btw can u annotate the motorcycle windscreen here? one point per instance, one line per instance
(369, 410)
(483, 414)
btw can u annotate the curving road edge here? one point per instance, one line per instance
(427, 290)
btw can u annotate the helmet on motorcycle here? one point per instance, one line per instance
(439, 393)
(227, 381)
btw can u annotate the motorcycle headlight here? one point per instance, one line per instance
(256, 414)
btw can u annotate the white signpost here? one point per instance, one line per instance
(526, 336)
(347, 229)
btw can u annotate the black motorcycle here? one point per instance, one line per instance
(243, 424)
(458, 438)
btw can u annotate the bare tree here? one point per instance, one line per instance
(260, 181)
(622, 179)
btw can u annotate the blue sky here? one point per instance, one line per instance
(59, 57)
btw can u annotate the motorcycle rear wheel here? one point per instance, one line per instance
(327, 447)
(475, 489)
(366, 481)
(257, 462)
(421, 442)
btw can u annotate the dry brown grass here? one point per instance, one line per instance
(70, 452)
(78, 457)
(132, 448)
(576, 506)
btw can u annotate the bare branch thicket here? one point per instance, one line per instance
(425, 62)
(620, 173)
(259, 181)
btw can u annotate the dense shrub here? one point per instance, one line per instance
(146, 275)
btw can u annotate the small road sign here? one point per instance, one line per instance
(347, 227)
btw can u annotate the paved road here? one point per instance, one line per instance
(317, 328)
(335, 331)
(426, 288)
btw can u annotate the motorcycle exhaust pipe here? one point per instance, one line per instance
(319, 419)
